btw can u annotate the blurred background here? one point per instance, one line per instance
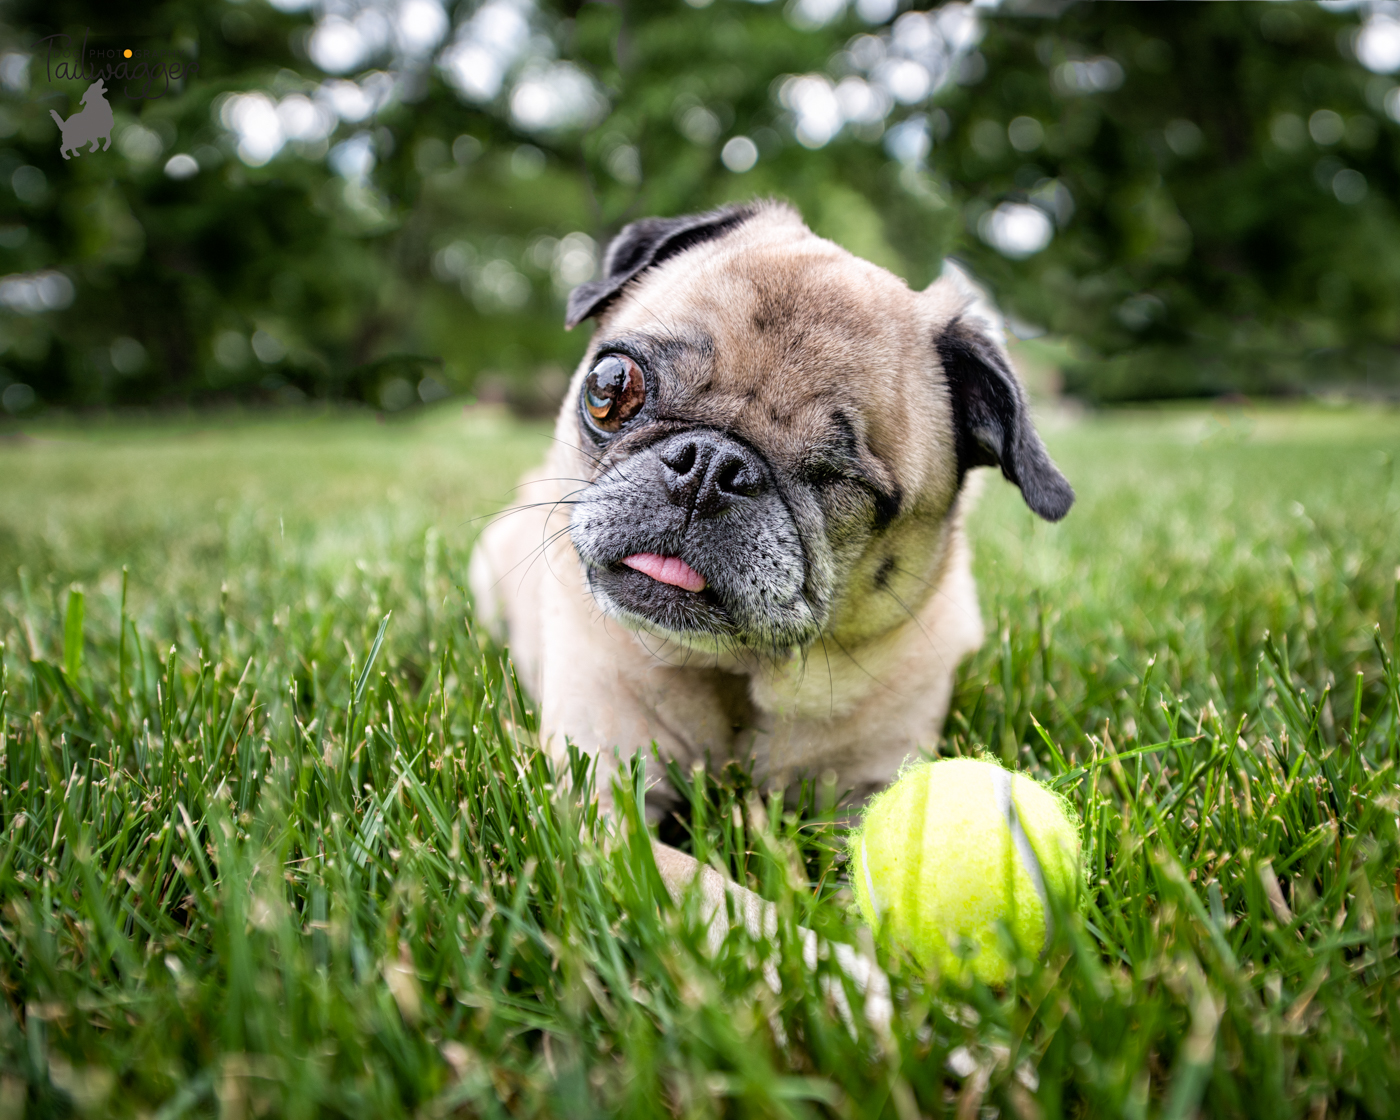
(386, 201)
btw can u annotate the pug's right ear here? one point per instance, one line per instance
(643, 244)
(992, 421)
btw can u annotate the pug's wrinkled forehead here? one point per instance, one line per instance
(743, 320)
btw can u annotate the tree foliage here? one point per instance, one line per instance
(1216, 183)
(1235, 224)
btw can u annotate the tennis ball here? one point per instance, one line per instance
(953, 849)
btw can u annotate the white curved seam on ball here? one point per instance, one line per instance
(1001, 787)
(869, 882)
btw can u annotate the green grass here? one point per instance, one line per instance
(264, 854)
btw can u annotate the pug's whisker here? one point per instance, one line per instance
(540, 550)
(525, 507)
(912, 575)
(597, 460)
(942, 593)
(529, 556)
(830, 683)
(861, 667)
(584, 483)
(805, 653)
(544, 554)
(566, 500)
(905, 608)
(936, 588)
(594, 458)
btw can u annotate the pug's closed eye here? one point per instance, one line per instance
(825, 467)
(837, 467)
(835, 458)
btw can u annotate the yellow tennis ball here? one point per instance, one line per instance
(956, 848)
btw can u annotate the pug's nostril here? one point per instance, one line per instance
(680, 459)
(730, 477)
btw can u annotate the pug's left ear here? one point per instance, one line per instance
(992, 420)
(642, 245)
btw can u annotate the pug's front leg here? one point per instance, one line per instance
(760, 918)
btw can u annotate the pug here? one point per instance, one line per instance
(747, 540)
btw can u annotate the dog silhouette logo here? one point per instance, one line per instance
(93, 123)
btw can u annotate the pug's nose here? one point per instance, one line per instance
(706, 473)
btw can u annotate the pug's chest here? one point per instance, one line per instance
(820, 727)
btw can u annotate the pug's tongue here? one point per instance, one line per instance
(667, 569)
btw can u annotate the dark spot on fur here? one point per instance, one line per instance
(821, 472)
(777, 417)
(887, 505)
(769, 316)
(846, 434)
(886, 569)
(775, 307)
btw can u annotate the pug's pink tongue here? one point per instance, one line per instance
(667, 569)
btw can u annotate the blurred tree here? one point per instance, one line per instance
(1224, 179)
(387, 201)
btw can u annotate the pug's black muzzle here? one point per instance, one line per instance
(710, 500)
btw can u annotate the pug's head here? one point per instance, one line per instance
(773, 433)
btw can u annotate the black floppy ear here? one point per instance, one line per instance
(643, 244)
(993, 422)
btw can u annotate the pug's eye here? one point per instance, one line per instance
(613, 392)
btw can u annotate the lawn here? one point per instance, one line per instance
(274, 841)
